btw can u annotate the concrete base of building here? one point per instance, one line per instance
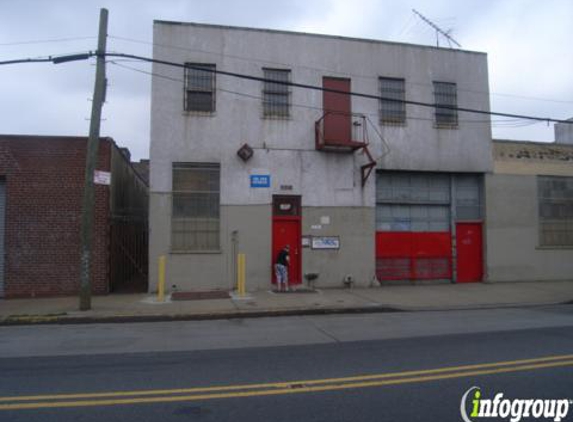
(248, 230)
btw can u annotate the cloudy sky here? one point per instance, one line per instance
(528, 44)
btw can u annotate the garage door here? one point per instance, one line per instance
(413, 238)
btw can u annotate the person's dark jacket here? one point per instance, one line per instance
(282, 257)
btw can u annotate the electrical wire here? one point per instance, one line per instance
(385, 144)
(55, 40)
(335, 91)
(319, 69)
(82, 56)
(503, 122)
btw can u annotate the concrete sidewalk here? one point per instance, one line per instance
(144, 307)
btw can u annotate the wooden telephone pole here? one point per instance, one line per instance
(92, 148)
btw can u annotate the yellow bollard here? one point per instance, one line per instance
(161, 283)
(241, 274)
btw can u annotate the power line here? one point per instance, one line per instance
(19, 61)
(56, 59)
(495, 123)
(336, 91)
(55, 40)
(319, 69)
(61, 59)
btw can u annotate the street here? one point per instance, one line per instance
(395, 366)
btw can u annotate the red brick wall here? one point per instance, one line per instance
(44, 179)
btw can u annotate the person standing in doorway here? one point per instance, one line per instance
(281, 268)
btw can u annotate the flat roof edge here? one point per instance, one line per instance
(532, 143)
(340, 37)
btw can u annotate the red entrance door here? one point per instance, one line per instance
(287, 231)
(469, 248)
(337, 121)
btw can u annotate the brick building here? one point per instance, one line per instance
(41, 188)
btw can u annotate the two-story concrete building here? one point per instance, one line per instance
(529, 209)
(386, 185)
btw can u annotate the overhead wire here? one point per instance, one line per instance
(289, 65)
(335, 91)
(48, 41)
(287, 83)
(309, 107)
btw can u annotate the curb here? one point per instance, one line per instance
(64, 319)
(70, 320)
(484, 307)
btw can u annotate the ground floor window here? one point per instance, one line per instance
(195, 207)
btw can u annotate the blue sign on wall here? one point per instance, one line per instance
(260, 180)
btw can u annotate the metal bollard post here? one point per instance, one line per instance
(161, 281)
(241, 274)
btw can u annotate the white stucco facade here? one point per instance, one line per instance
(285, 148)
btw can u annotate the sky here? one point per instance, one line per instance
(528, 42)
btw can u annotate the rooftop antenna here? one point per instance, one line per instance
(439, 31)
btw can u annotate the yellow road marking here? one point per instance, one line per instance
(293, 387)
(286, 384)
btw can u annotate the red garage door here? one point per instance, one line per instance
(413, 237)
(413, 255)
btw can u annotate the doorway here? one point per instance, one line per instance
(469, 248)
(287, 231)
(337, 120)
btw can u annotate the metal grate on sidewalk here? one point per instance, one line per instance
(214, 294)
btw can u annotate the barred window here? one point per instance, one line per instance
(392, 112)
(468, 197)
(199, 87)
(445, 94)
(276, 96)
(555, 199)
(195, 207)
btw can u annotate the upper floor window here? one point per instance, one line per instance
(555, 199)
(392, 112)
(276, 96)
(445, 95)
(199, 87)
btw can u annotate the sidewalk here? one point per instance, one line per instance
(144, 307)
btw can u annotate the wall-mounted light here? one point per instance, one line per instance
(245, 152)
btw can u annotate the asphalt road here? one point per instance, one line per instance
(397, 367)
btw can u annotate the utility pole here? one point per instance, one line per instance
(92, 148)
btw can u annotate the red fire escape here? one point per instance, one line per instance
(339, 130)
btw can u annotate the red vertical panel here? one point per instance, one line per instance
(337, 121)
(470, 253)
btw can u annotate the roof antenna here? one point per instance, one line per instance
(439, 31)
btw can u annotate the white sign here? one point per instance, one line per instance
(102, 177)
(326, 242)
(325, 220)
